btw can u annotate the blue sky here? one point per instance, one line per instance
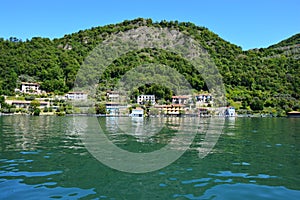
(249, 24)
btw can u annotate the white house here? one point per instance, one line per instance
(138, 112)
(113, 96)
(76, 96)
(230, 112)
(112, 108)
(142, 99)
(204, 98)
(30, 88)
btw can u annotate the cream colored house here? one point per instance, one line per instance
(26, 104)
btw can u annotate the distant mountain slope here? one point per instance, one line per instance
(289, 47)
(269, 74)
(291, 41)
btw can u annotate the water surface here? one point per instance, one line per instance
(44, 158)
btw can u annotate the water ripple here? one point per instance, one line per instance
(242, 175)
(196, 180)
(14, 189)
(28, 174)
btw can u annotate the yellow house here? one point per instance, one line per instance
(173, 109)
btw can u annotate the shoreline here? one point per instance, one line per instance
(157, 116)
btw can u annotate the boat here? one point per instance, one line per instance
(293, 114)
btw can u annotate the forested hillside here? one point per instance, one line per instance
(256, 79)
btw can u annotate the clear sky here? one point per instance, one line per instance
(247, 23)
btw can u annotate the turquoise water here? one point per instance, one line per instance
(254, 158)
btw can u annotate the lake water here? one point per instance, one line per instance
(46, 158)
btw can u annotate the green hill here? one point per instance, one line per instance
(294, 40)
(266, 76)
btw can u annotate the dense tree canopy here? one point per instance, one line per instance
(269, 74)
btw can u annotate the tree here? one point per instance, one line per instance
(2, 100)
(100, 108)
(256, 104)
(244, 104)
(34, 107)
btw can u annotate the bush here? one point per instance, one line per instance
(46, 109)
(29, 98)
(100, 109)
(60, 113)
(36, 112)
(69, 111)
(12, 110)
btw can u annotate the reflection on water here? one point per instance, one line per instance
(160, 130)
(137, 153)
(44, 158)
(243, 191)
(138, 127)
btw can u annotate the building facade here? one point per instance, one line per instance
(204, 98)
(113, 96)
(173, 109)
(230, 112)
(138, 112)
(26, 104)
(112, 108)
(143, 99)
(30, 88)
(181, 99)
(76, 96)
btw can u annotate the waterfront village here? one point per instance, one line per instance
(30, 100)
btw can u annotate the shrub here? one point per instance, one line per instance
(29, 98)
